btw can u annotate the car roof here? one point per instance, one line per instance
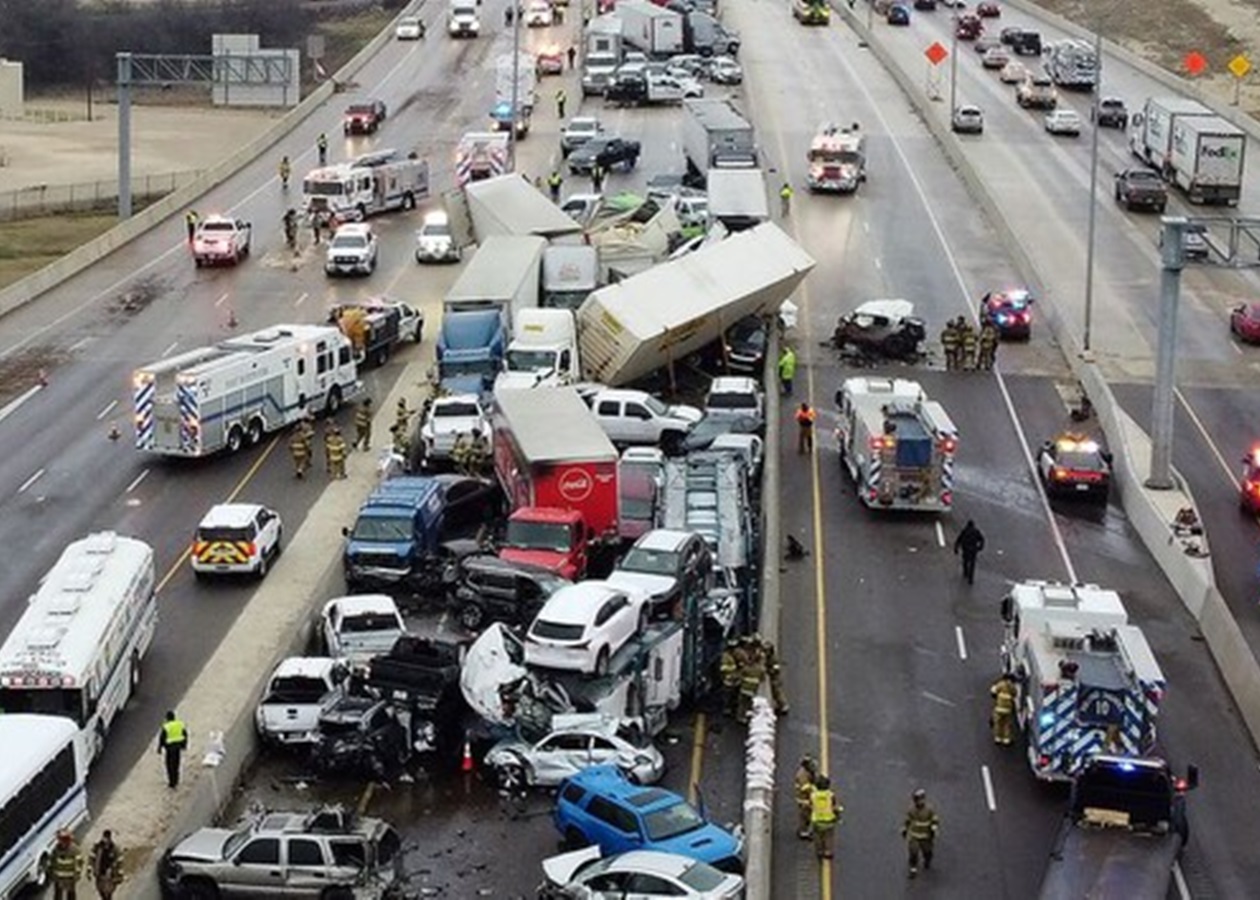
(611, 782)
(653, 862)
(577, 604)
(304, 667)
(354, 228)
(891, 309)
(663, 539)
(364, 603)
(230, 515)
(733, 384)
(487, 561)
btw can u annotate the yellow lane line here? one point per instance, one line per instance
(697, 758)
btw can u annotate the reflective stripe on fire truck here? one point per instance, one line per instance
(189, 418)
(143, 396)
(223, 552)
(947, 479)
(1068, 745)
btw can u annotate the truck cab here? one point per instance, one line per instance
(396, 534)
(552, 538)
(470, 350)
(462, 19)
(544, 350)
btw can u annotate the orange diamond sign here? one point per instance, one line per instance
(1240, 66)
(936, 53)
(1195, 62)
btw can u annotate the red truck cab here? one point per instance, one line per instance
(549, 537)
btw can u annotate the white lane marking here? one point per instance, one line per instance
(169, 350)
(1179, 879)
(973, 312)
(135, 484)
(936, 698)
(28, 482)
(1207, 439)
(988, 789)
(12, 406)
(962, 642)
(221, 300)
(79, 344)
(878, 264)
(940, 534)
(107, 410)
(301, 299)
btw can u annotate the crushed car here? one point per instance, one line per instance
(881, 329)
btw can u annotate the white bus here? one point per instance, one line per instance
(76, 651)
(42, 790)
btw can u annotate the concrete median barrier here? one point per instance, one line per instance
(1152, 512)
(22, 292)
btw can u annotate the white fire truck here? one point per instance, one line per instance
(837, 160)
(481, 155)
(897, 445)
(1087, 682)
(228, 395)
(368, 184)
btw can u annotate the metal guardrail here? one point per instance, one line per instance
(42, 199)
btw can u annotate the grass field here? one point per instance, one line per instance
(28, 245)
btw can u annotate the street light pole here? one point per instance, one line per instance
(516, 83)
(1093, 194)
(953, 70)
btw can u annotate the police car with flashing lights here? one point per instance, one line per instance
(1074, 464)
(1010, 312)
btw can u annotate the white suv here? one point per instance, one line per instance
(352, 250)
(236, 538)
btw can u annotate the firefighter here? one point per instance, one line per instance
(805, 417)
(824, 814)
(751, 674)
(597, 177)
(335, 447)
(402, 415)
(401, 443)
(321, 144)
(190, 222)
(479, 455)
(969, 543)
(572, 54)
(919, 830)
(106, 866)
(316, 224)
(554, 181)
(988, 346)
(285, 171)
(290, 229)
(561, 99)
(64, 866)
(460, 453)
(968, 346)
(1003, 717)
(803, 785)
(363, 425)
(729, 666)
(300, 450)
(775, 672)
(949, 343)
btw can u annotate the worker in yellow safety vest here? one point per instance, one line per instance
(824, 813)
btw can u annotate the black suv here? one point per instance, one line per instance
(605, 152)
(488, 589)
(1112, 113)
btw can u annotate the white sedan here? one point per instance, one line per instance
(409, 28)
(1013, 72)
(577, 742)
(583, 625)
(1063, 121)
(646, 874)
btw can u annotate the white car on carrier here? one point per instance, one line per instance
(583, 625)
(576, 742)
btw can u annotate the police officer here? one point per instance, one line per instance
(751, 674)
(775, 671)
(969, 341)
(824, 813)
(949, 343)
(803, 787)
(300, 450)
(190, 222)
(363, 425)
(919, 829)
(321, 144)
(988, 346)
(335, 452)
(172, 741)
(1003, 716)
(728, 668)
(554, 181)
(64, 866)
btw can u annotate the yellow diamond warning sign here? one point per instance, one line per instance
(1240, 66)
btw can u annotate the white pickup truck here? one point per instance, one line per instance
(298, 689)
(636, 417)
(447, 418)
(220, 239)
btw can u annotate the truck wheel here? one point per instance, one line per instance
(235, 439)
(409, 200)
(334, 401)
(198, 889)
(255, 432)
(671, 443)
(471, 617)
(382, 355)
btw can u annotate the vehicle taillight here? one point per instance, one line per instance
(1058, 473)
(949, 445)
(882, 442)
(1023, 318)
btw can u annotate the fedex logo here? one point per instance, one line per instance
(1221, 151)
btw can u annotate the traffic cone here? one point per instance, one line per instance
(466, 763)
(231, 322)
(114, 433)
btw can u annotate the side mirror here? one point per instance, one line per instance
(1108, 457)
(345, 532)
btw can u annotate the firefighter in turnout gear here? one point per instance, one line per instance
(402, 416)
(401, 443)
(64, 866)
(461, 453)
(919, 830)
(728, 668)
(751, 674)
(824, 814)
(988, 344)
(774, 670)
(478, 454)
(950, 338)
(969, 341)
(335, 450)
(363, 425)
(803, 788)
(1003, 716)
(105, 865)
(300, 450)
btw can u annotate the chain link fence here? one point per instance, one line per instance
(44, 199)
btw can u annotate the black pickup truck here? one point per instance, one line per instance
(1141, 189)
(419, 677)
(605, 152)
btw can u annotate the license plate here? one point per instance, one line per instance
(1082, 487)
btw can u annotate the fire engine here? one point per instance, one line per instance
(1087, 682)
(366, 185)
(897, 445)
(481, 155)
(837, 159)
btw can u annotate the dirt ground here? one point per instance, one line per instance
(1164, 31)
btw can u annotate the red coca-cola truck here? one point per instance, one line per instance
(559, 471)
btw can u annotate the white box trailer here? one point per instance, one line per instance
(504, 274)
(737, 198)
(504, 205)
(230, 394)
(1207, 159)
(630, 329)
(653, 29)
(716, 136)
(1151, 132)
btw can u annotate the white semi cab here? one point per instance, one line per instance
(462, 19)
(228, 395)
(636, 417)
(298, 689)
(543, 350)
(449, 417)
(361, 626)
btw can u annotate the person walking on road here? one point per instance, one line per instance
(321, 144)
(300, 450)
(805, 417)
(597, 177)
(803, 788)
(561, 99)
(1003, 716)
(64, 866)
(787, 370)
(172, 742)
(969, 543)
(106, 866)
(285, 171)
(919, 830)
(824, 814)
(363, 425)
(190, 222)
(572, 54)
(785, 199)
(554, 181)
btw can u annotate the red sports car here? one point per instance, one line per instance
(1244, 321)
(988, 10)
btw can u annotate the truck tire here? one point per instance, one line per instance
(471, 617)
(382, 355)
(235, 439)
(409, 200)
(198, 889)
(334, 401)
(254, 434)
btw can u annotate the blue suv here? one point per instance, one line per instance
(601, 806)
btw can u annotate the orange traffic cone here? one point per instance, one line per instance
(231, 322)
(466, 764)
